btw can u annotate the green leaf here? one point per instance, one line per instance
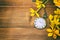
(45, 14)
(43, 1)
(33, 0)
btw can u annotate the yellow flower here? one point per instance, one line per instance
(57, 11)
(50, 17)
(33, 12)
(52, 25)
(39, 4)
(57, 2)
(54, 20)
(52, 33)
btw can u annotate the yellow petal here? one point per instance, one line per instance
(31, 10)
(49, 30)
(50, 34)
(39, 6)
(52, 25)
(57, 32)
(55, 12)
(58, 9)
(54, 36)
(55, 18)
(32, 14)
(50, 17)
(43, 5)
(39, 1)
(58, 20)
(55, 1)
(57, 4)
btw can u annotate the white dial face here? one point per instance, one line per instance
(40, 23)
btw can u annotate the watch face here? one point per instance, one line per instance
(40, 23)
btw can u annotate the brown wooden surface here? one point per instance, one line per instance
(15, 15)
(22, 34)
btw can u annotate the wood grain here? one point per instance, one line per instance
(15, 21)
(22, 34)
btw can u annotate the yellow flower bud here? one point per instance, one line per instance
(57, 32)
(50, 17)
(31, 10)
(50, 34)
(49, 30)
(32, 14)
(43, 5)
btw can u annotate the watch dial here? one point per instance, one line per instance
(40, 23)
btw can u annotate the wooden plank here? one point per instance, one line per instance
(15, 2)
(22, 34)
(19, 16)
(15, 15)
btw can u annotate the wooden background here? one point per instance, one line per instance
(15, 21)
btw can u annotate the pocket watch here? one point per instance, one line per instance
(40, 23)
